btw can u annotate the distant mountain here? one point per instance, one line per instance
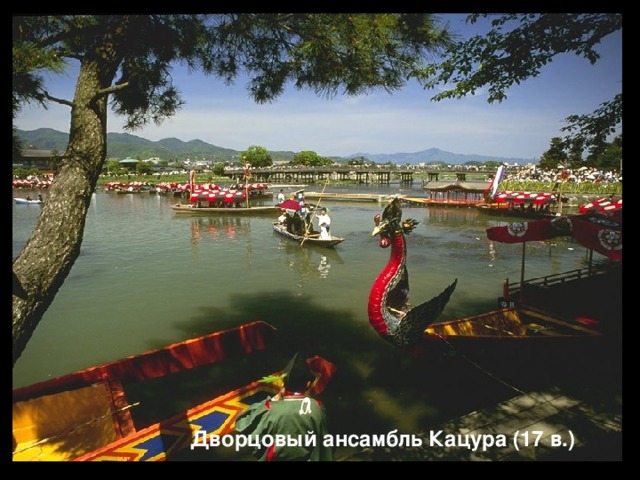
(123, 145)
(435, 155)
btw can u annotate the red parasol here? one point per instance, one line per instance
(290, 205)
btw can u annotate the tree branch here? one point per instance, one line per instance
(61, 101)
(112, 89)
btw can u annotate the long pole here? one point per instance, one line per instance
(560, 198)
(306, 229)
(247, 176)
(521, 293)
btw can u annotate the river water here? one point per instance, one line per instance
(147, 277)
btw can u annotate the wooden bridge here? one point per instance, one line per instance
(373, 174)
(309, 175)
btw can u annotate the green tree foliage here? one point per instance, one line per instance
(145, 168)
(574, 156)
(308, 158)
(591, 131)
(359, 161)
(491, 164)
(113, 167)
(256, 156)
(555, 155)
(218, 169)
(611, 158)
(515, 49)
(125, 63)
(17, 147)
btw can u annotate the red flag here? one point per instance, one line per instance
(600, 234)
(530, 231)
(599, 231)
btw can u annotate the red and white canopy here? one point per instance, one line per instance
(518, 198)
(599, 230)
(601, 205)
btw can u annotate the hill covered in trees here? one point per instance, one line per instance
(124, 145)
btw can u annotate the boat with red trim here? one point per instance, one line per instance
(118, 410)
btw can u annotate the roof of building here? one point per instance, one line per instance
(466, 186)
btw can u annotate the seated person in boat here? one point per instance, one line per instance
(288, 222)
(291, 412)
(297, 225)
(308, 227)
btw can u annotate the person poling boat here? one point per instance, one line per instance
(324, 222)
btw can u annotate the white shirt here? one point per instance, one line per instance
(324, 221)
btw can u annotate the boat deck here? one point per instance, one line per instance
(538, 426)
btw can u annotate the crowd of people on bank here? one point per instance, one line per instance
(574, 175)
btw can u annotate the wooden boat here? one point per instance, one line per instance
(594, 292)
(191, 209)
(91, 414)
(179, 436)
(313, 239)
(447, 194)
(27, 201)
(185, 431)
(519, 341)
(513, 324)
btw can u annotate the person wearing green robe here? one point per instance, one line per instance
(293, 414)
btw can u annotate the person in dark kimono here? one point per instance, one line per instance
(292, 412)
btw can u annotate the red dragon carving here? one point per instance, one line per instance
(389, 311)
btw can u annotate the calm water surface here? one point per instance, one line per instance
(147, 277)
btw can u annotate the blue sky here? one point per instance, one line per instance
(405, 121)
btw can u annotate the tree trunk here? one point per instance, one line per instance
(46, 260)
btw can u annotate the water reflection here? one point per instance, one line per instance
(453, 216)
(308, 262)
(324, 266)
(215, 228)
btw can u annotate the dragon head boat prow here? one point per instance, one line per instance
(389, 311)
